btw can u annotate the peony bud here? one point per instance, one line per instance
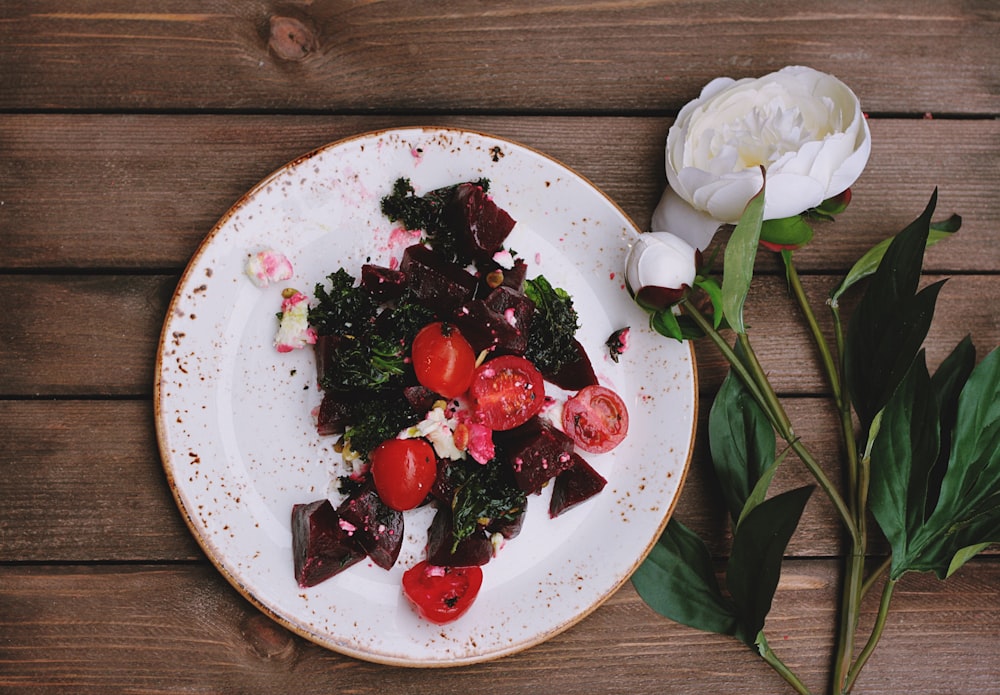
(661, 268)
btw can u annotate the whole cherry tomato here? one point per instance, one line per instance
(596, 419)
(443, 359)
(506, 391)
(404, 471)
(441, 594)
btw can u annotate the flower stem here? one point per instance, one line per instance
(772, 659)
(857, 473)
(880, 619)
(752, 374)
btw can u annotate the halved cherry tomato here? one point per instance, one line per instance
(443, 359)
(596, 419)
(404, 471)
(506, 391)
(441, 594)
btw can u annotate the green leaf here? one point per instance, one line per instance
(714, 292)
(867, 264)
(755, 563)
(742, 442)
(678, 581)
(969, 502)
(666, 324)
(890, 323)
(741, 252)
(948, 381)
(964, 555)
(787, 231)
(967, 512)
(902, 456)
(759, 492)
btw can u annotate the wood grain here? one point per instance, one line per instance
(619, 56)
(127, 193)
(180, 628)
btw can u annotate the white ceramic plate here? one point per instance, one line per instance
(234, 419)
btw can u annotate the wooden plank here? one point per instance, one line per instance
(83, 481)
(633, 55)
(167, 629)
(97, 335)
(131, 192)
(141, 192)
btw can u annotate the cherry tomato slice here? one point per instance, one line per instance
(404, 471)
(506, 391)
(443, 359)
(596, 419)
(441, 594)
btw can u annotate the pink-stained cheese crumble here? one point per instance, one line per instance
(265, 267)
(294, 331)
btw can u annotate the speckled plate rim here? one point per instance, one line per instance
(191, 504)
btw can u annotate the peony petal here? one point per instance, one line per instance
(788, 195)
(674, 215)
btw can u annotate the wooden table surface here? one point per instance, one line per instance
(127, 129)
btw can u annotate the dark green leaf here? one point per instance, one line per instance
(755, 564)
(678, 581)
(902, 456)
(741, 252)
(742, 442)
(714, 292)
(867, 264)
(968, 508)
(889, 325)
(948, 381)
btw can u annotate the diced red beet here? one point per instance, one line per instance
(574, 485)
(575, 375)
(320, 547)
(537, 452)
(333, 414)
(486, 329)
(471, 551)
(492, 275)
(478, 220)
(324, 349)
(384, 284)
(420, 397)
(507, 529)
(378, 529)
(436, 283)
(514, 305)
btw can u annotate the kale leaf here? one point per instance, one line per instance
(343, 309)
(370, 362)
(484, 495)
(552, 340)
(375, 420)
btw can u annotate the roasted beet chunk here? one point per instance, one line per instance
(442, 550)
(334, 412)
(321, 548)
(576, 484)
(384, 284)
(375, 527)
(574, 375)
(478, 221)
(435, 282)
(537, 452)
(486, 329)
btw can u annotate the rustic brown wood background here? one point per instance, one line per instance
(128, 128)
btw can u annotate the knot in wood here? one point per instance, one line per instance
(291, 39)
(268, 640)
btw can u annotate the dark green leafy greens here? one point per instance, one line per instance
(375, 420)
(484, 495)
(552, 340)
(343, 309)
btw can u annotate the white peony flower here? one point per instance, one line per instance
(803, 126)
